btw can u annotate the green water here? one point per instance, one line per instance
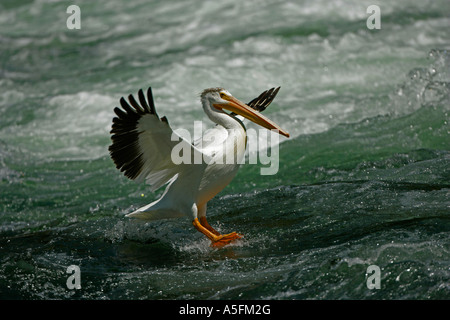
(364, 179)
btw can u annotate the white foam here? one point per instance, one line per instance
(71, 126)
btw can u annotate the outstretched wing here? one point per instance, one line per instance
(264, 99)
(142, 144)
(261, 102)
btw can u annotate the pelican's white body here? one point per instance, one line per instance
(194, 185)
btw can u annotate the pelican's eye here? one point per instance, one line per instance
(224, 96)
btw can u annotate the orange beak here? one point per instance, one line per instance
(240, 108)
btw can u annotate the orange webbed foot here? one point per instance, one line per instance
(217, 240)
(225, 239)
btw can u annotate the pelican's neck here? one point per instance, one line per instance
(227, 121)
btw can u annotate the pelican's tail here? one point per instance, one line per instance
(154, 214)
(163, 208)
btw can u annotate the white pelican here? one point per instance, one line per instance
(143, 144)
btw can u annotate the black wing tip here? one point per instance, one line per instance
(124, 150)
(264, 99)
(142, 107)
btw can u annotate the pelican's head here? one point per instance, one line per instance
(219, 99)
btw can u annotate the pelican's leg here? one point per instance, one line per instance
(203, 222)
(217, 241)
